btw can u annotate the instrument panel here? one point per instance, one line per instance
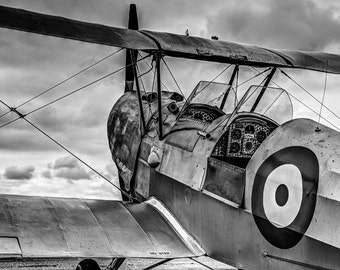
(243, 137)
(201, 113)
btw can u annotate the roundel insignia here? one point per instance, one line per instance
(284, 195)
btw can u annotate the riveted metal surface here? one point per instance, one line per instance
(225, 180)
(230, 234)
(192, 171)
(75, 228)
(325, 145)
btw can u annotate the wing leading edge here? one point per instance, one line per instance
(41, 227)
(168, 44)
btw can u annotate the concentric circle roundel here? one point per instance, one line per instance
(284, 195)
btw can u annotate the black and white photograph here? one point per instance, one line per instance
(178, 134)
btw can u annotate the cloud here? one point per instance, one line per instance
(31, 63)
(111, 172)
(68, 168)
(46, 174)
(72, 173)
(64, 162)
(289, 24)
(19, 173)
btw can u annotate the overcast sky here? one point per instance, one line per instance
(30, 164)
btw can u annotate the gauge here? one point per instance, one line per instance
(236, 134)
(234, 147)
(261, 136)
(248, 146)
(250, 129)
(198, 116)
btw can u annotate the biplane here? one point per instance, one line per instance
(238, 182)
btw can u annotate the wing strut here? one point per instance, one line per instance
(140, 102)
(157, 264)
(116, 263)
(269, 78)
(231, 81)
(159, 91)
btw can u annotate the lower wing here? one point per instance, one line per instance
(59, 229)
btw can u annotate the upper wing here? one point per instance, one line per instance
(41, 227)
(170, 44)
(71, 29)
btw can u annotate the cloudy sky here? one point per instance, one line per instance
(29, 64)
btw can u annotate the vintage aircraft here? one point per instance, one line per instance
(240, 183)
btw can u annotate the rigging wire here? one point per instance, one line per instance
(301, 102)
(173, 77)
(143, 87)
(21, 116)
(151, 68)
(323, 98)
(242, 101)
(146, 72)
(68, 94)
(258, 74)
(304, 89)
(218, 75)
(63, 81)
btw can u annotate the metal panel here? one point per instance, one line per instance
(9, 247)
(69, 228)
(230, 235)
(225, 180)
(191, 172)
(325, 145)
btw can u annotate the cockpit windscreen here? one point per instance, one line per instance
(274, 103)
(212, 94)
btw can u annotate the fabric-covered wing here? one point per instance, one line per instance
(38, 23)
(242, 54)
(169, 44)
(41, 227)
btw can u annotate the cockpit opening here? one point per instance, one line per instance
(260, 111)
(257, 114)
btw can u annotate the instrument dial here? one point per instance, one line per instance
(234, 147)
(261, 136)
(236, 134)
(250, 129)
(248, 146)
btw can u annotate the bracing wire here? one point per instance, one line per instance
(173, 77)
(151, 69)
(302, 103)
(258, 74)
(143, 86)
(63, 81)
(323, 97)
(211, 81)
(69, 94)
(243, 100)
(21, 116)
(310, 94)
